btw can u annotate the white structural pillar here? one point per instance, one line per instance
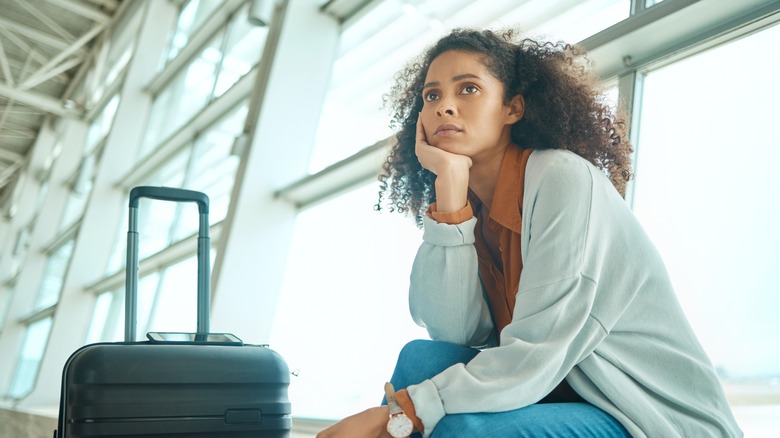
(249, 269)
(46, 217)
(106, 205)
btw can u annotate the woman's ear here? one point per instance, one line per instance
(516, 109)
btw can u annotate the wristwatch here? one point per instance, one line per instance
(399, 425)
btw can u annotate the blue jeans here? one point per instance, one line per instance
(421, 360)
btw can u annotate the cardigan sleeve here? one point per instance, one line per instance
(445, 293)
(552, 328)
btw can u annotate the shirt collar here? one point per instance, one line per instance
(508, 195)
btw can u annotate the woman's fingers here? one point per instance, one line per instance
(420, 143)
(370, 423)
(422, 149)
(420, 131)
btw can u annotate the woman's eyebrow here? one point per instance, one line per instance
(454, 79)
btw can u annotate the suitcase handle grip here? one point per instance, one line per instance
(204, 245)
(169, 194)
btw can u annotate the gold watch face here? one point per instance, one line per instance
(400, 426)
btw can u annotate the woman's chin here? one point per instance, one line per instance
(451, 147)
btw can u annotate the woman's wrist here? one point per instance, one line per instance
(452, 189)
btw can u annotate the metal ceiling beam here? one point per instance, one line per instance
(8, 172)
(4, 117)
(37, 100)
(45, 19)
(24, 135)
(7, 155)
(343, 10)
(43, 76)
(52, 65)
(82, 10)
(119, 11)
(109, 5)
(32, 53)
(33, 34)
(9, 77)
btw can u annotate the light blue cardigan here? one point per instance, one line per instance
(595, 306)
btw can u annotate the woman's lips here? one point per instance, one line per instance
(447, 130)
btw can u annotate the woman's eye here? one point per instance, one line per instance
(429, 97)
(470, 89)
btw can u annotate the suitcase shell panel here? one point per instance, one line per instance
(152, 389)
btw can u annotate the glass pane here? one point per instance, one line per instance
(187, 94)
(5, 303)
(564, 20)
(176, 303)
(119, 66)
(102, 124)
(42, 192)
(21, 245)
(118, 256)
(371, 52)
(54, 276)
(77, 201)
(192, 16)
(169, 305)
(611, 96)
(156, 218)
(706, 191)
(147, 294)
(213, 170)
(100, 315)
(82, 187)
(30, 359)
(116, 55)
(341, 288)
(242, 52)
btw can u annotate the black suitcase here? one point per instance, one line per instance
(177, 385)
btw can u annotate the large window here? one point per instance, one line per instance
(706, 191)
(82, 181)
(227, 56)
(29, 361)
(54, 275)
(187, 94)
(208, 164)
(243, 46)
(344, 294)
(374, 48)
(19, 252)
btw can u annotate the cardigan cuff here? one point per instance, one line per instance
(428, 405)
(403, 399)
(452, 218)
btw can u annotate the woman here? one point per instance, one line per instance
(530, 253)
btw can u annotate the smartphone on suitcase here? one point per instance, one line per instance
(174, 384)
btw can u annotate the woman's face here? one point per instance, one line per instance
(463, 107)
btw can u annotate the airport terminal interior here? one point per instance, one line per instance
(274, 109)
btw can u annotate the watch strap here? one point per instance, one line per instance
(395, 408)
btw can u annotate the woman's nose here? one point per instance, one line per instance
(445, 108)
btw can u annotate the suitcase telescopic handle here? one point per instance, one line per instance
(204, 266)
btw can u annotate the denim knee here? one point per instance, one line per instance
(416, 348)
(422, 359)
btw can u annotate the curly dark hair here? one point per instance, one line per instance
(564, 108)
